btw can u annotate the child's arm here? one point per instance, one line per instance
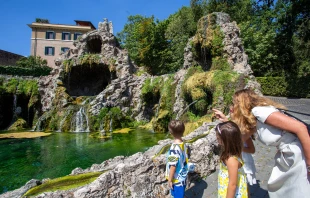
(171, 175)
(250, 146)
(232, 166)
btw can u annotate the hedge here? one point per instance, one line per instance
(286, 87)
(21, 71)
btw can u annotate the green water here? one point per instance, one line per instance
(57, 155)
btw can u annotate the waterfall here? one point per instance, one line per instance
(158, 107)
(38, 125)
(80, 120)
(101, 128)
(111, 121)
(14, 109)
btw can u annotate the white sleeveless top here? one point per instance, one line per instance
(289, 175)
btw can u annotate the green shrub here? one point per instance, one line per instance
(273, 86)
(21, 71)
(287, 87)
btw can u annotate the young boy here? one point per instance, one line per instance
(177, 159)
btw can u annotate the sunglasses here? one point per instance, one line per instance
(218, 128)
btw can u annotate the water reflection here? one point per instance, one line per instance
(57, 155)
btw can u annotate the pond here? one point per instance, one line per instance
(58, 154)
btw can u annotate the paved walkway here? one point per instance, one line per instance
(263, 157)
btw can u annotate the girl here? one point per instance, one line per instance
(231, 182)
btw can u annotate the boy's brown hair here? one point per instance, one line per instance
(176, 128)
(230, 135)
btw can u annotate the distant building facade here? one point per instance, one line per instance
(49, 40)
(9, 58)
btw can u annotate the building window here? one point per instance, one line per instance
(66, 36)
(49, 51)
(64, 49)
(50, 35)
(76, 35)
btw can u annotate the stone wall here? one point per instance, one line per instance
(8, 58)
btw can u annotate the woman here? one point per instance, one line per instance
(254, 113)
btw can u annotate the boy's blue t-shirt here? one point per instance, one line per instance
(177, 156)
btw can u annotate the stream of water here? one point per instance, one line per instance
(57, 155)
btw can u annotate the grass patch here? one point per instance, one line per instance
(64, 183)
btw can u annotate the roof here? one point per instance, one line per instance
(80, 25)
(3, 51)
(85, 23)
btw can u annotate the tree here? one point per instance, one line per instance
(31, 62)
(181, 27)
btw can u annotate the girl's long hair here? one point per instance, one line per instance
(230, 135)
(243, 102)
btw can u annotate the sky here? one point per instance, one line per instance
(16, 14)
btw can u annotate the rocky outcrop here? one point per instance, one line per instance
(22, 190)
(47, 87)
(123, 93)
(233, 47)
(97, 66)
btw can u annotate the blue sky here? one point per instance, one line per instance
(16, 14)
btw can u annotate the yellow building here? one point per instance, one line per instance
(49, 40)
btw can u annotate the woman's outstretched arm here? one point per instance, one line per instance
(220, 115)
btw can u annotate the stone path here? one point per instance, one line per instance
(263, 157)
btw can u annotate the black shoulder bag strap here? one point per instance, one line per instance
(286, 112)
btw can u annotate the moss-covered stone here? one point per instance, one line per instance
(19, 124)
(63, 183)
(20, 135)
(160, 124)
(210, 89)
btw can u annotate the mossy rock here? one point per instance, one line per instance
(19, 124)
(215, 87)
(160, 124)
(63, 183)
(123, 130)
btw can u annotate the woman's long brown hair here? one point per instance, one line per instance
(230, 135)
(243, 102)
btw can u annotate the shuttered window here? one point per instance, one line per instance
(66, 36)
(49, 51)
(50, 35)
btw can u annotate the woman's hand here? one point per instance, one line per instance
(219, 115)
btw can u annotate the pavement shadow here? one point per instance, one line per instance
(257, 192)
(196, 190)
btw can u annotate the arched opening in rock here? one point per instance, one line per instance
(94, 45)
(7, 108)
(85, 80)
